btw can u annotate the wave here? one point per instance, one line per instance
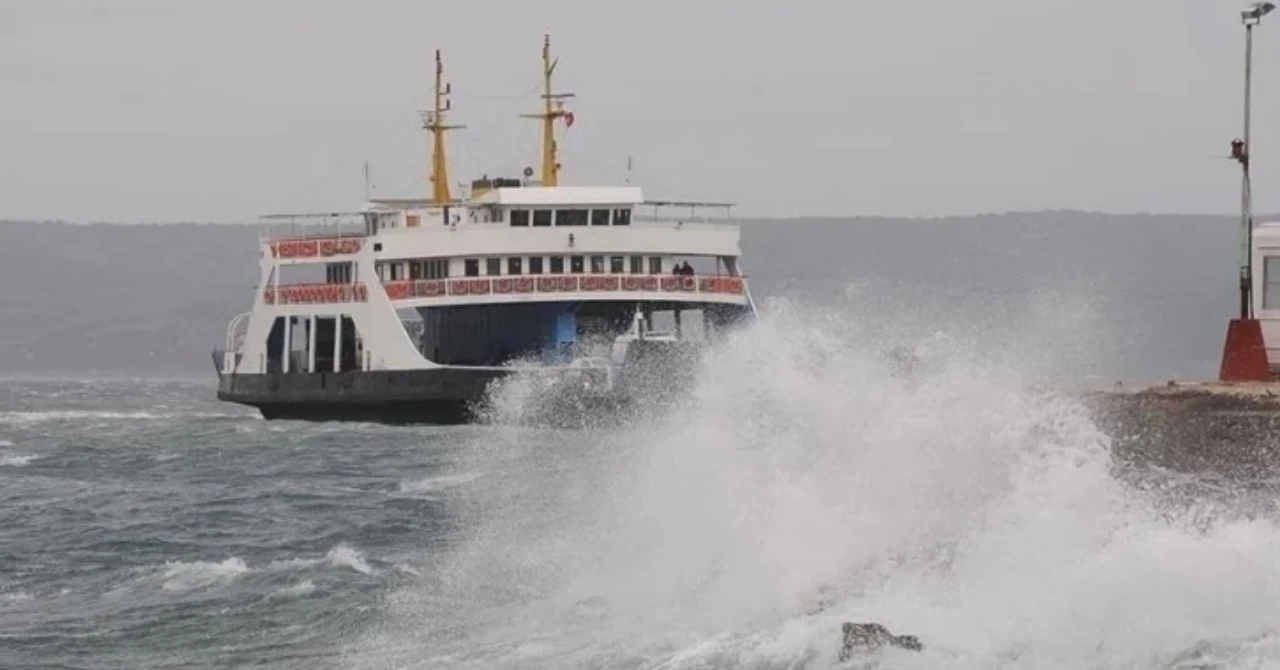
(341, 556)
(806, 481)
(298, 590)
(191, 576)
(437, 484)
(22, 418)
(16, 460)
(180, 576)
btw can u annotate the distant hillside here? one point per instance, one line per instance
(155, 299)
(150, 299)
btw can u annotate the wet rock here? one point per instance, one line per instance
(902, 361)
(870, 636)
(593, 607)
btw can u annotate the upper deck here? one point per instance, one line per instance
(530, 220)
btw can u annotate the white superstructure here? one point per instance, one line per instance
(516, 270)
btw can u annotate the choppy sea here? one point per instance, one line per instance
(799, 485)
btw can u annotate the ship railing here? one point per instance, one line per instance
(675, 221)
(315, 247)
(237, 331)
(226, 359)
(316, 235)
(312, 294)
(313, 225)
(719, 285)
(674, 212)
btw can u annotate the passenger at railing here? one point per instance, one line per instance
(684, 269)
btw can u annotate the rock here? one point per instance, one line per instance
(593, 607)
(902, 361)
(870, 636)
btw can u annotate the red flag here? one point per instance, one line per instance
(568, 119)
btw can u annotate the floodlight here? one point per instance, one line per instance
(1252, 15)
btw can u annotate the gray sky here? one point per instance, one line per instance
(161, 110)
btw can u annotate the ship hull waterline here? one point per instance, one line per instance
(441, 396)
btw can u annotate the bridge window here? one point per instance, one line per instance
(541, 217)
(472, 267)
(493, 266)
(621, 217)
(571, 217)
(575, 264)
(428, 269)
(599, 217)
(637, 265)
(436, 268)
(519, 217)
(513, 266)
(615, 265)
(337, 273)
(655, 265)
(1271, 283)
(535, 265)
(557, 265)
(597, 265)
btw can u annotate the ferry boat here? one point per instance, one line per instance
(408, 310)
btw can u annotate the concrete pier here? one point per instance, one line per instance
(1227, 428)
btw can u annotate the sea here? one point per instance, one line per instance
(799, 483)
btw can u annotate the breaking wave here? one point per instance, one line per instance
(16, 460)
(804, 481)
(190, 576)
(201, 574)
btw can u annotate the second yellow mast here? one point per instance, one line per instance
(552, 109)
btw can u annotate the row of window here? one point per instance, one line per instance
(571, 217)
(555, 265)
(438, 268)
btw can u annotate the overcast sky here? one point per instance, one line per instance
(161, 110)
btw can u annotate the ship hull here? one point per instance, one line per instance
(651, 378)
(432, 396)
(446, 396)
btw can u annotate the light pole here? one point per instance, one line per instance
(1251, 16)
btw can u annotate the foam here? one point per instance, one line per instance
(803, 484)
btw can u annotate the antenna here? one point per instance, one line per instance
(367, 188)
(1240, 152)
(552, 109)
(628, 170)
(434, 122)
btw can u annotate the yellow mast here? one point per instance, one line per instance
(553, 108)
(434, 122)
